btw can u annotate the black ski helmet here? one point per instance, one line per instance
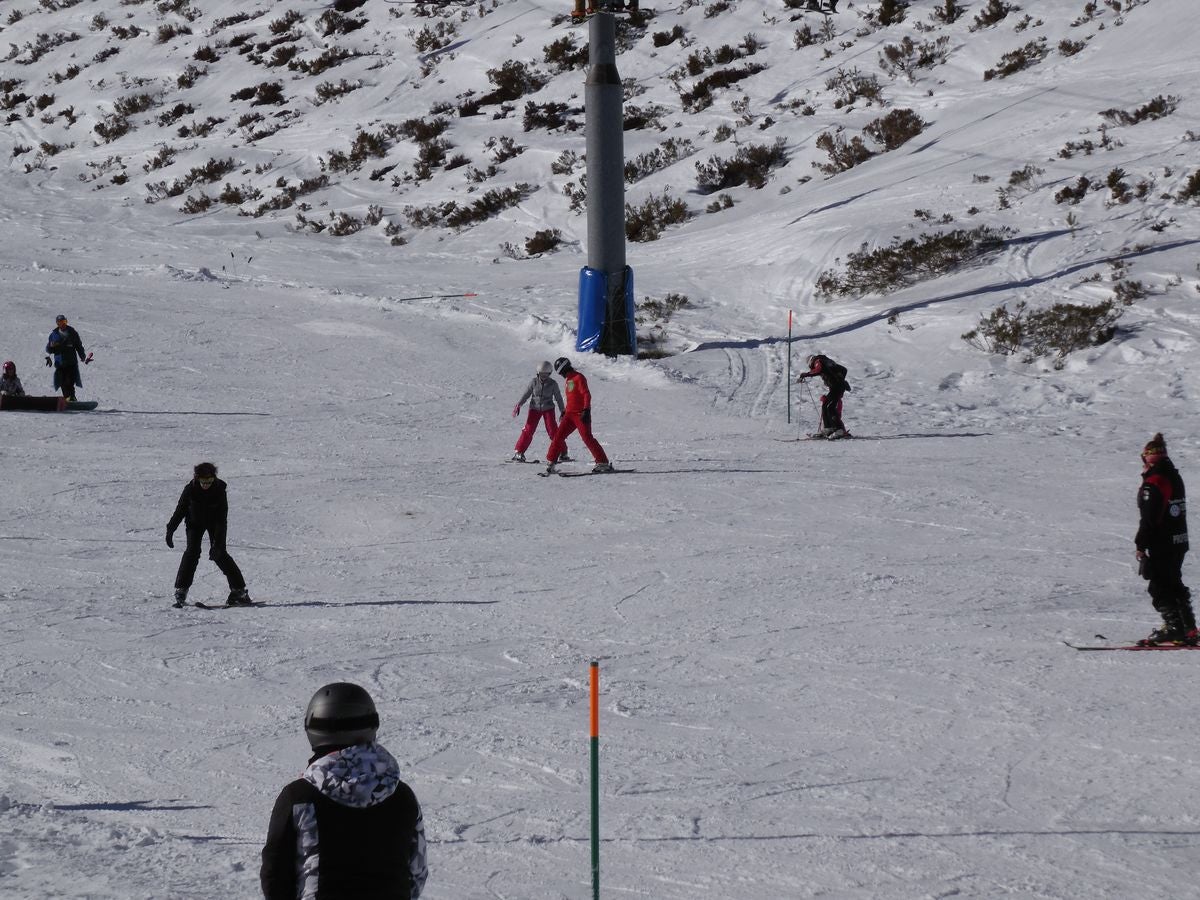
(562, 364)
(205, 470)
(340, 714)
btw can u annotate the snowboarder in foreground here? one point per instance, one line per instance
(576, 417)
(348, 827)
(1162, 542)
(9, 382)
(834, 376)
(543, 395)
(66, 352)
(204, 507)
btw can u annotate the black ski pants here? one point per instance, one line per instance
(191, 558)
(66, 378)
(1170, 596)
(831, 408)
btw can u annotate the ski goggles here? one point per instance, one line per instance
(206, 481)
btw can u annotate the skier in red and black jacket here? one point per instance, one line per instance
(834, 376)
(348, 828)
(1161, 543)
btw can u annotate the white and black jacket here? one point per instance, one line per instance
(347, 829)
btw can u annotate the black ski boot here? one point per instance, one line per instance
(1187, 619)
(180, 597)
(238, 597)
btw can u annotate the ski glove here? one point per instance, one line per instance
(48, 363)
(170, 539)
(516, 411)
(586, 417)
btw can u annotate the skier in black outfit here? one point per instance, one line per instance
(834, 376)
(66, 349)
(348, 827)
(204, 507)
(1162, 542)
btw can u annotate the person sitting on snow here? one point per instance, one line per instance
(9, 383)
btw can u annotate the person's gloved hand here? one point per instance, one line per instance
(48, 363)
(516, 411)
(170, 539)
(586, 418)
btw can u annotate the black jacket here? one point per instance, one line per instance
(65, 347)
(203, 508)
(1162, 508)
(349, 829)
(832, 373)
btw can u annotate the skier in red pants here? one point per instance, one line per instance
(576, 417)
(543, 395)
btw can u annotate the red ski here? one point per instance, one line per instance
(1131, 646)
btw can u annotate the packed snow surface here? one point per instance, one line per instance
(827, 669)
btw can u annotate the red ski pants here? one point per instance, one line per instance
(572, 421)
(525, 438)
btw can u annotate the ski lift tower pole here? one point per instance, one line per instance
(606, 307)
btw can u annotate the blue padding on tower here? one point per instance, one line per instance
(593, 308)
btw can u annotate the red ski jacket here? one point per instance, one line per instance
(579, 397)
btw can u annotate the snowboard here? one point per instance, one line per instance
(44, 404)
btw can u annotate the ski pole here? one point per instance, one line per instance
(789, 368)
(816, 409)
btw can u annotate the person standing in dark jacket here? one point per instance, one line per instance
(66, 349)
(204, 507)
(1161, 543)
(834, 376)
(348, 828)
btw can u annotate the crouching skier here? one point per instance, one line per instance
(348, 828)
(834, 376)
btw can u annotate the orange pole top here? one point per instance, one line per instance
(595, 681)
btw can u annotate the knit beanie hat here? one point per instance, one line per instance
(1155, 449)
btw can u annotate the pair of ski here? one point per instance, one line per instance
(581, 474)
(569, 474)
(1171, 645)
(199, 605)
(815, 437)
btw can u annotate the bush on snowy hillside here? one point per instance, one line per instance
(1061, 329)
(909, 261)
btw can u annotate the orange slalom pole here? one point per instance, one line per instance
(789, 369)
(595, 742)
